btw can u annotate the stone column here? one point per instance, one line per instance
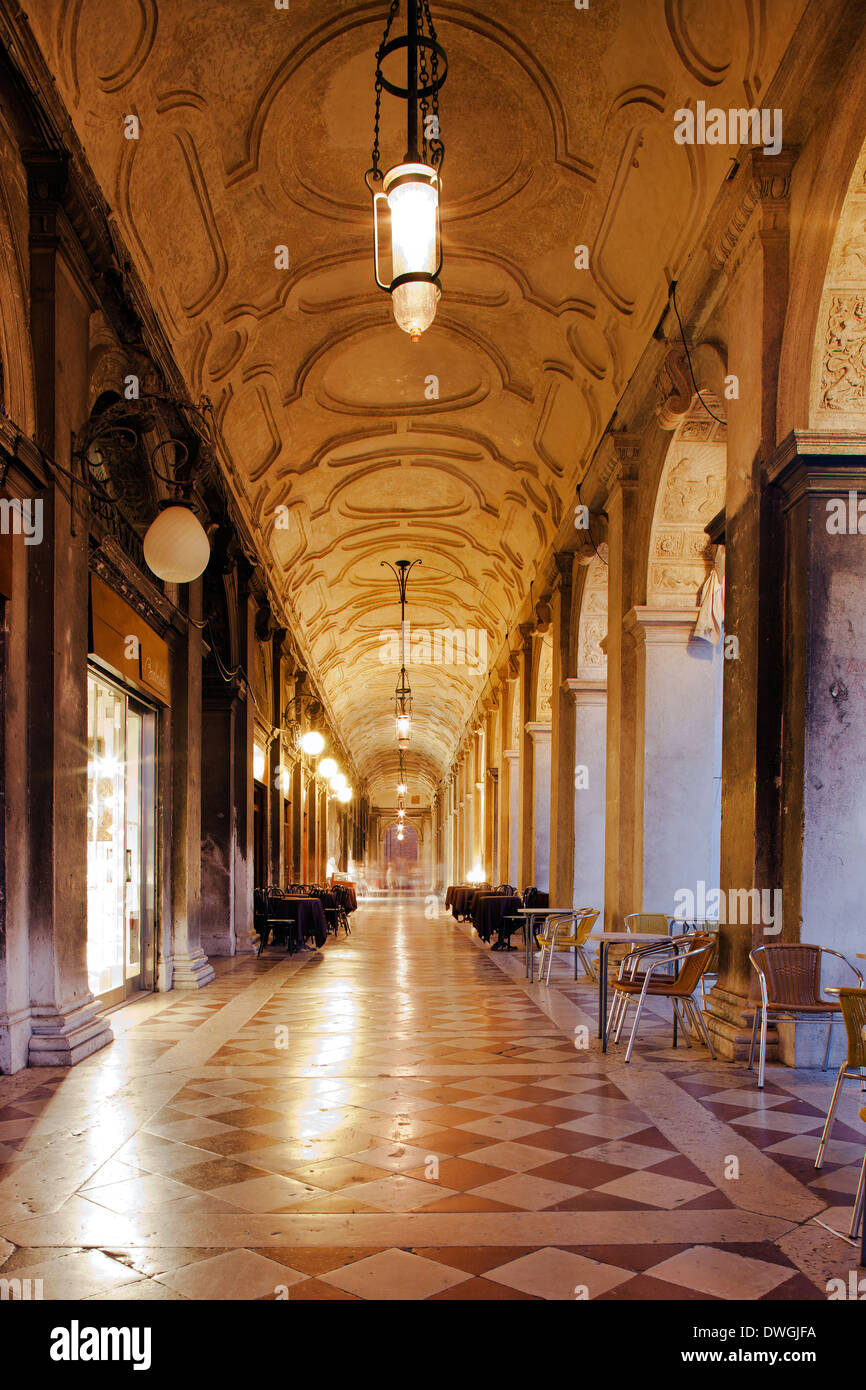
(65, 1022)
(678, 756)
(541, 735)
(822, 481)
(189, 967)
(590, 751)
(275, 757)
(562, 789)
(526, 805)
(244, 730)
(754, 252)
(622, 876)
(511, 793)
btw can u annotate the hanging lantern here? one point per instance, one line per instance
(312, 742)
(327, 768)
(175, 545)
(410, 190)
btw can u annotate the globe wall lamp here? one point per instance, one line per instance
(406, 208)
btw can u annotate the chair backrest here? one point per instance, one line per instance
(529, 895)
(853, 1005)
(655, 922)
(505, 888)
(693, 964)
(791, 971)
(558, 928)
(586, 920)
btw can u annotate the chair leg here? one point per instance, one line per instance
(621, 1017)
(618, 1007)
(831, 1115)
(549, 962)
(827, 1048)
(754, 1035)
(678, 1013)
(576, 948)
(762, 1061)
(697, 1013)
(628, 1051)
(857, 1213)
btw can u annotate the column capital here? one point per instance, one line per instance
(818, 463)
(578, 687)
(538, 730)
(758, 204)
(660, 626)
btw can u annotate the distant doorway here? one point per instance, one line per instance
(401, 858)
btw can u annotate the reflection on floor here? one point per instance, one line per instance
(402, 1117)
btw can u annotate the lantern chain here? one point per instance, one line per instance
(437, 145)
(375, 170)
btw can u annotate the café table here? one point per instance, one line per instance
(606, 940)
(310, 917)
(489, 909)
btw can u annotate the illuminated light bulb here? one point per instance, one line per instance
(175, 545)
(400, 835)
(312, 742)
(412, 191)
(327, 768)
(402, 789)
(338, 781)
(344, 794)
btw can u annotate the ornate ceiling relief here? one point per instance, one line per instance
(243, 206)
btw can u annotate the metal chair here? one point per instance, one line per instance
(707, 926)
(857, 1214)
(505, 888)
(690, 956)
(567, 932)
(853, 1005)
(790, 978)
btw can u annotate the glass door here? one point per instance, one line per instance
(120, 842)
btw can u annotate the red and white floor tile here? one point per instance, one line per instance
(402, 1116)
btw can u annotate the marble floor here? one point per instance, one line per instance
(401, 1116)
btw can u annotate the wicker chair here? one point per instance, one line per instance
(568, 933)
(790, 977)
(690, 956)
(853, 1005)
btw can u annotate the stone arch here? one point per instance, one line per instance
(16, 354)
(827, 184)
(691, 491)
(590, 658)
(837, 389)
(542, 684)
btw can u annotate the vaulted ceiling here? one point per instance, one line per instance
(255, 132)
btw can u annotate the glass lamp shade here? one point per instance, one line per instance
(412, 191)
(402, 789)
(404, 727)
(312, 742)
(338, 781)
(345, 794)
(400, 835)
(176, 548)
(327, 768)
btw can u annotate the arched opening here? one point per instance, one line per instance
(401, 858)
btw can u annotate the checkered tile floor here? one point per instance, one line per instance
(402, 1117)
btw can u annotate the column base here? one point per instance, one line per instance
(14, 1040)
(192, 970)
(729, 1018)
(62, 1037)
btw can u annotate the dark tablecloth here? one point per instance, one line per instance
(489, 909)
(310, 916)
(461, 897)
